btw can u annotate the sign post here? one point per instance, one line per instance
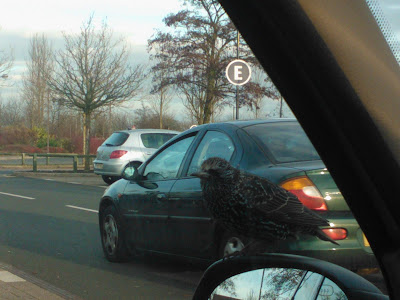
(238, 72)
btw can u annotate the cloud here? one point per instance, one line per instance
(134, 18)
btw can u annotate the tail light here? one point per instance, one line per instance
(117, 153)
(306, 192)
(335, 233)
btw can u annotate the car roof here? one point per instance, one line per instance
(241, 123)
(245, 123)
(148, 131)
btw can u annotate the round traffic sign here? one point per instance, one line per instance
(238, 72)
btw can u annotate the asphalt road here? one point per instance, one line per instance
(49, 229)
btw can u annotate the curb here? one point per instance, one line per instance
(42, 285)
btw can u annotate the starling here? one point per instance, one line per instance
(254, 207)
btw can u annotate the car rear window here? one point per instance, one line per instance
(155, 140)
(116, 139)
(284, 141)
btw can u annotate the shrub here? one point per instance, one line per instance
(18, 135)
(55, 150)
(20, 149)
(94, 144)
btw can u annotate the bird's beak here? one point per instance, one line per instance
(201, 174)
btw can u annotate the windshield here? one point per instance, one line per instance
(116, 139)
(77, 74)
(387, 17)
(286, 142)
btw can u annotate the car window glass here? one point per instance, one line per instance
(116, 139)
(253, 156)
(155, 140)
(330, 291)
(213, 144)
(309, 287)
(286, 142)
(166, 164)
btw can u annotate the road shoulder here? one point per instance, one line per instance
(16, 284)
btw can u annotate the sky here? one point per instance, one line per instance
(135, 20)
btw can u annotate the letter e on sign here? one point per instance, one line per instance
(238, 72)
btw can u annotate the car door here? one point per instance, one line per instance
(151, 190)
(191, 227)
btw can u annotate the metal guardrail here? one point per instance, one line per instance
(35, 157)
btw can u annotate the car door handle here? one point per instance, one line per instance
(161, 196)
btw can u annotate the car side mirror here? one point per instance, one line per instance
(278, 283)
(282, 276)
(130, 173)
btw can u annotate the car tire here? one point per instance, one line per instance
(109, 179)
(231, 244)
(113, 236)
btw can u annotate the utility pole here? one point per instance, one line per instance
(48, 123)
(238, 72)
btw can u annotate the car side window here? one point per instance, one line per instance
(214, 143)
(155, 140)
(166, 164)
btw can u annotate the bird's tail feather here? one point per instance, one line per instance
(322, 236)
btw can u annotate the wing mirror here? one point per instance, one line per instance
(282, 276)
(130, 173)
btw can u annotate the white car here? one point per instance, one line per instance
(128, 147)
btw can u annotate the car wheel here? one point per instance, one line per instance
(109, 179)
(112, 236)
(231, 244)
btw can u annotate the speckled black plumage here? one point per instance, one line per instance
(253, 206)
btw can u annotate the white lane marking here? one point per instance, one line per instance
(74, 182)
(10, 176)
(82, 208)
(103, 186)
(18, 196)
(6, 276)
(48, 179)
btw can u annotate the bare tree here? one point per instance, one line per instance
(254, 93)
(161, 90)
(199, 49)
(196, 53)
(35, 90)
(6, 63)
(145, 117)
(281, 110)
(92, 72)
(159, 102)
(11, 112)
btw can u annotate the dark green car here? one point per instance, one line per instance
(159, 208)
